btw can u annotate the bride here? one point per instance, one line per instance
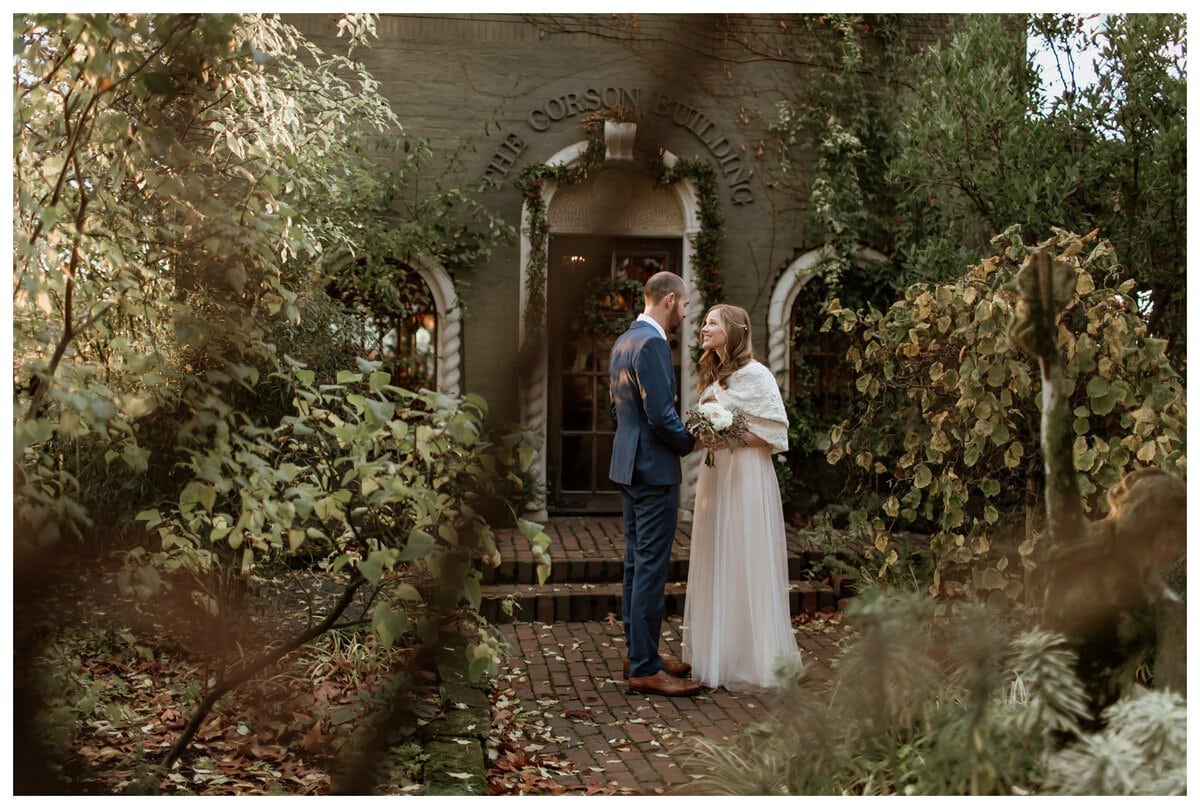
(737, 625)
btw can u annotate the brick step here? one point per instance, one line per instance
(583, 601)
(595, 568)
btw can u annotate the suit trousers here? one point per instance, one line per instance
(650, 516)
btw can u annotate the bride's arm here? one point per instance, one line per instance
(752, 440)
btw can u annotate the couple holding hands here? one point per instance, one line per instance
(736, 624)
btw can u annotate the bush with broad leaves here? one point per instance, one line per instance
(947, 424)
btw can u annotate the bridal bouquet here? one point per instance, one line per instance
(713, 423)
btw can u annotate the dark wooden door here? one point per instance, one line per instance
(586, 310)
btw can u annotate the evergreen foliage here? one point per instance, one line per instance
(928, 156)
(971, 704)
(983, 147)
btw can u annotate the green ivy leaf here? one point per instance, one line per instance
(472, 591)
(197, 492)
(1097, 387)
(377, 380)
(380, 412)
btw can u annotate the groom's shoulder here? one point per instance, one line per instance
(638, 331)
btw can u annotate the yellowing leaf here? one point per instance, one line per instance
(137, 406)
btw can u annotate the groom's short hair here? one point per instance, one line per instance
(662, 284)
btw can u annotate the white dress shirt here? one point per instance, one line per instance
(646, 318)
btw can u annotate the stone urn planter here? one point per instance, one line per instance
(618, 140)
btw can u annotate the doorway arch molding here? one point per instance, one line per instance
(783, 298)
(533, 382)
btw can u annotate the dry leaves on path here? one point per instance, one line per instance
(518, 762)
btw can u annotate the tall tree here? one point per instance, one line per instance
(984, 145)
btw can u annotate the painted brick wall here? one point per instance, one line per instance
(492, 77)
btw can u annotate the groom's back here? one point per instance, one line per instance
(641, 376)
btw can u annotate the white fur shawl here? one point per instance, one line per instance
(754, 391)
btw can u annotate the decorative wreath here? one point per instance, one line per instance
(610, 305)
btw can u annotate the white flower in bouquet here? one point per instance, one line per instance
(718, 416)
(713, 423)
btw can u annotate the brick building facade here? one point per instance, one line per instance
(519, 88)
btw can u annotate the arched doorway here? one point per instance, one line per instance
(614, 228)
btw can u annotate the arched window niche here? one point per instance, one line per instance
(813, 374)
(420, 343)
(781, 314)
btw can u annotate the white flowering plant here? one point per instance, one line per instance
(714, 424)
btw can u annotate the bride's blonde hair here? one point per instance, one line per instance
(717, 364)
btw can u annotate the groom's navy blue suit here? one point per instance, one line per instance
(645, 463)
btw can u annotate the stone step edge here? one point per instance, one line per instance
(523, 569)
(551, 603)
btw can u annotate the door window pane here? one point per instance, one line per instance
(577, 463)
(604, 445)
(577, 402)
(604, 417)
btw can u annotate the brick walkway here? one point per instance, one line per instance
(564, 678)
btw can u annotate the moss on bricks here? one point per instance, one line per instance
(455, 767)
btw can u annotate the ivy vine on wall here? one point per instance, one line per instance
(533, 178)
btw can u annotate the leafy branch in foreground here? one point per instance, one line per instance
(364, 477)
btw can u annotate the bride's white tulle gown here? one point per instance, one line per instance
(737, 624)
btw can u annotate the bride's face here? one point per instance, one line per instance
(712, 333)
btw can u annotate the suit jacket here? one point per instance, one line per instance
(650, 437)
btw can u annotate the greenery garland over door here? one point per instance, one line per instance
(706, 243)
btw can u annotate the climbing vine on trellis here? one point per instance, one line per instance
(534, 177)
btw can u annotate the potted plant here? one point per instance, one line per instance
(620, 129)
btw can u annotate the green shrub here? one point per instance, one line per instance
(949, 413)
(361, 476)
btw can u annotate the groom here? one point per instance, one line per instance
(645, 463)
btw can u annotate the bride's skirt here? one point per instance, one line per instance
(736, 621)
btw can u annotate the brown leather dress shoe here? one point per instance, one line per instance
(676, 668)
(662, 683)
